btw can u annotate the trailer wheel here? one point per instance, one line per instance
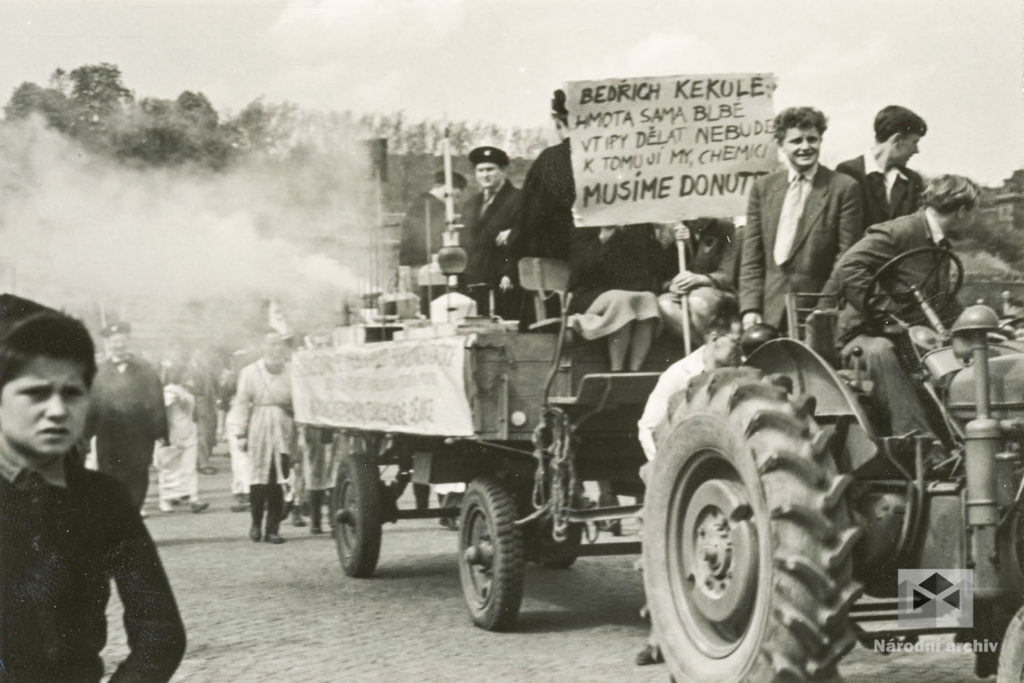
(747, 538)
(491, 560)
(357, 505)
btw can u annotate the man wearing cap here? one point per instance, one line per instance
(888, 188)
(65, 531)
(489, 217)
(127, 415)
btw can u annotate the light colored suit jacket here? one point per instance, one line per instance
(831, 222)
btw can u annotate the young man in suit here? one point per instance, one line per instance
(799, 221)
(949, 212)
(888, 188)
(489, 217)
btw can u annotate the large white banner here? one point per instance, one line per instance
(664, 148)
(414, 387)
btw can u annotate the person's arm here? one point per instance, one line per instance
(156, 408)
(241, 408)
(856, 267)
(152, 623)
(752, 257)
(850, 230)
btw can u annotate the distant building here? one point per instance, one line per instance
(1005, 204)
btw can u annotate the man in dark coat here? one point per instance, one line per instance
(949, 211)
(888, 188)
(66, 531)
(425, 220)
(489, 217)
(799, 221)
(127, 414)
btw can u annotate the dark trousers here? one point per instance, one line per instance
(422, 493)
(891, 387)
(269, 497)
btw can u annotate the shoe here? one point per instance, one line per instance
(240, 507)
(273, 538)
(166, 507)
(316, 530)
(298, 521)
(651, 654)
(208, 470)
(143, 514)
(255, 534)
(199, 507)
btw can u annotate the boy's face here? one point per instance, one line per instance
(42, 410)
(724, 349)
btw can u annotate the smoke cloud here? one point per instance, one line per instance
(182, 252)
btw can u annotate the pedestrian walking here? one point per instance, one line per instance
(176, 462)
(126, 414)
(261, 423)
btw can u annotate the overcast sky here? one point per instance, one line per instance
(959, 64)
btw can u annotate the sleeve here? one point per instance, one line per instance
(585, 259)
(724, 275)
(155, 400)
(752, 257)
(241, 407)
(523, 237)
(152, 623)
(860, 263)
(851, 228)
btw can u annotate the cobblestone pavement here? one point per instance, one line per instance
(287, 613)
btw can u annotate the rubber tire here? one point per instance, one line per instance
(1011, 659)
(359, 551)
(489, 503)
(798, 626)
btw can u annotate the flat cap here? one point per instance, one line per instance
(488, 155)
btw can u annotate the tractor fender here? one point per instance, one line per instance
(813, 376)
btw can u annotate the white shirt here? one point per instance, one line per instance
(871, 166)
(675, 379)
(934, 229)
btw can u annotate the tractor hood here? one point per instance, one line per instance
(1006, 388)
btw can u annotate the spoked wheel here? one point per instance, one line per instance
(491, 562)
(747, 539)
(357, 505)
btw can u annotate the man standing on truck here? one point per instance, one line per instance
(800, 220)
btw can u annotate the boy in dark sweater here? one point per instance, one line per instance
(65, 532)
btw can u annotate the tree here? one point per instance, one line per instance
(51, 104)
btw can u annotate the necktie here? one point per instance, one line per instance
(488, 198)
(879, 192)
(792, 208)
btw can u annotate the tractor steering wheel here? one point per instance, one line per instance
(888, 285)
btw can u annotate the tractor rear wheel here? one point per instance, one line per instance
(357, 505)
(1011, 651)
(491, 558)
(748, 538)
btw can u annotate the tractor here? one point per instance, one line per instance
(781, 512)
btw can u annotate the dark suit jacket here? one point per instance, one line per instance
(488, 262)
(880, 244)
(413, 248)
(905, 199)
(830, 224)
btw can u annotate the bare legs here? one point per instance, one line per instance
(631, 344)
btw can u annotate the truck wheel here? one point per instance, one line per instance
(748, 539)
(1011, 651)
(357, 528)
(491, 561)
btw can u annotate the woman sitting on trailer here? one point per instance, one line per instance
(615, 273)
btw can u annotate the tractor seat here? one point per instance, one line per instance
(548, 279)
